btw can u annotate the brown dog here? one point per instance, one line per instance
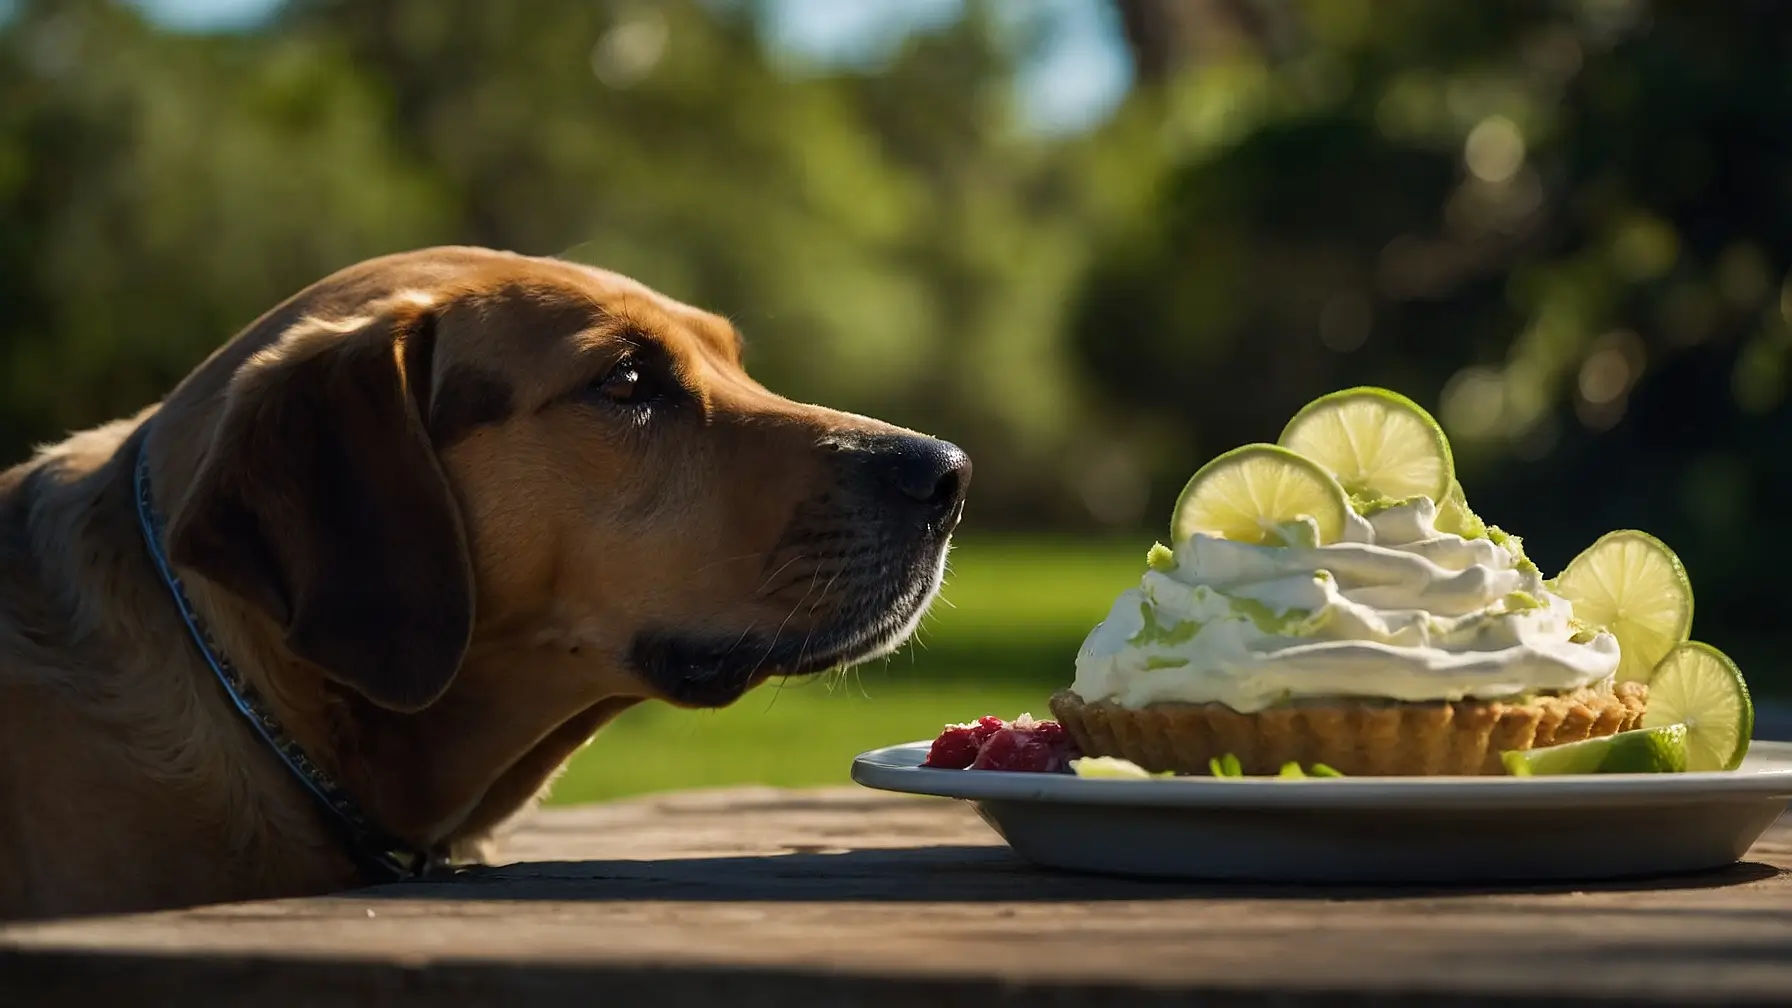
(445, 513)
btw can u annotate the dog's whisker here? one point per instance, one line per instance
(743, 636)
(804, 649)
(777, 691)
(793, 582)
(826, 591)
(724, 560)
(772, 648)
(781, 569)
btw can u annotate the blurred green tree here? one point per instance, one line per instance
(1560, 224)
(159, 191)
(888, 242)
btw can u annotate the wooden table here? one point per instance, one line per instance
(850, 897)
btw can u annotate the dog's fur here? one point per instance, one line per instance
(450, 511)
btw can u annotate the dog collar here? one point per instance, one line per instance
(375, 851)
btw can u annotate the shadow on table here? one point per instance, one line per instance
(933, 874)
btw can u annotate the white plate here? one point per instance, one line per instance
(1366, 829)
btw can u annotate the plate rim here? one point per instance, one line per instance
(896, 768)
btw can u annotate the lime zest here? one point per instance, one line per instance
(1152, 632)
(1266, 619)
(1513, 545)
(1229, 766)
(1369, 505)
(1160, 558)
(1225, 766)
(1521, 601)
(1455, 517)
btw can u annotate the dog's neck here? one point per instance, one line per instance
(181, 772)
(446, 775)
(451, 772)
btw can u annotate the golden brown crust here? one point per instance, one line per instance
(1354, 737)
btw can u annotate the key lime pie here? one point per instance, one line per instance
(1332, 601)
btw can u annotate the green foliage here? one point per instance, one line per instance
(161, 191)
(877, 238)
(1557, 223)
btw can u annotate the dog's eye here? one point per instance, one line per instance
(623, 384)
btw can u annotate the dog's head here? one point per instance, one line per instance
(457, 446)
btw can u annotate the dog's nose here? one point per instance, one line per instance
(925, 470)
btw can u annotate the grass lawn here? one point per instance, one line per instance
(1001, 639)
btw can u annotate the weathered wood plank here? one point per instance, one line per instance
(851, 897)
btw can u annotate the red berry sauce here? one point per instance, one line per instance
(989, 743)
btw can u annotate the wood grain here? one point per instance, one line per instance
(758, 896)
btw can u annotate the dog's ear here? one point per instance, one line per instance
(320, 500)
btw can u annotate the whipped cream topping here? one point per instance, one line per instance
(1397, 610)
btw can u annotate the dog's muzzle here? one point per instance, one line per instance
(861, 566)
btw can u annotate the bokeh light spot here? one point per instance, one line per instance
(1473, 403)
(1644, 247)
(1494, 150)
(629, 51)
(1604, 376)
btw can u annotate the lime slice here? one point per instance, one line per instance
(1661, 749)
(1248, 493)
(1113, 767)
(1454, 516)
(1698, 686)
(1631, 584)
(1377, 443)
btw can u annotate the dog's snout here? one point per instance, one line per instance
(925, 470)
